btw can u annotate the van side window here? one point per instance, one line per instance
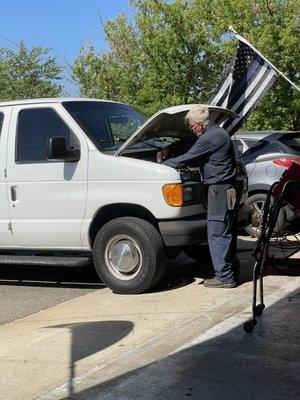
(1, 121)
(35, 127)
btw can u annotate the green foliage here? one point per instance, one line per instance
(175, 52)
(28, 73)
(273, 27)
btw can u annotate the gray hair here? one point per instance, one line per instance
(198, 114)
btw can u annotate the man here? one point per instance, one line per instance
(213, 153)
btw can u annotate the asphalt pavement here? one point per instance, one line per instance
(29, 289)
(25, 290)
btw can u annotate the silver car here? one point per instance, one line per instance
(266, 155)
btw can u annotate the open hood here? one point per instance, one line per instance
(170, 122)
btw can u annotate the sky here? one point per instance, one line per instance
(63, 25)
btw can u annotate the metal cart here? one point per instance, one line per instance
(287, 190)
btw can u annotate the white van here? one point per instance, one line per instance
(79, 182)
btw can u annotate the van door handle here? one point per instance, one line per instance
(13, 192)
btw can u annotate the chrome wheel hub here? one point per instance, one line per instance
(257, 215)
(123, 257)
(255, 224)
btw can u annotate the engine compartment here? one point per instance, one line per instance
(145, 154)
(189, 175)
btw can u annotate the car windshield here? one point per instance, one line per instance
(107, 124)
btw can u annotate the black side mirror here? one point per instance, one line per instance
(57, 150)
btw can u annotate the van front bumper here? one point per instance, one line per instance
(184, 232)
(193, 230)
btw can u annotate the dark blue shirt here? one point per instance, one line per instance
(213, 152)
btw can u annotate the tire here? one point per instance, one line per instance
(129, 255)
(199, 253)
(254, 227)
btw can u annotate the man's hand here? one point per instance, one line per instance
(162, 155)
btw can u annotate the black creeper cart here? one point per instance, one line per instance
(287, 190)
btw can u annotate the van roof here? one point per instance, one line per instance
(51, 100)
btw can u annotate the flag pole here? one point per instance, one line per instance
(239, 37)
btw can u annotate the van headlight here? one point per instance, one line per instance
(177, 195)
(188, 193)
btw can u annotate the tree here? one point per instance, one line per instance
(28, 73)
(165, 57)
(273, 27)
(176, 52)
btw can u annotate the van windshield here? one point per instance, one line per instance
(107, 124)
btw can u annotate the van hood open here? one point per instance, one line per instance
(170, 122)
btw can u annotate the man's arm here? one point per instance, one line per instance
(176, 148)
(199, 150)
(181, 146)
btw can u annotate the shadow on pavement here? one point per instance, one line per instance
(89, 338)
(223, 363)
(181, 271)
(43, 276)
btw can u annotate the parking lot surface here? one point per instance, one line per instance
(89, 343)
(25, 290)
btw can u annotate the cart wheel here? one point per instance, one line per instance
(249, 326)
(259, 310)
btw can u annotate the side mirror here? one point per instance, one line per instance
(57, 150)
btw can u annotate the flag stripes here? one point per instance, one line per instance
(248, 80)
(232, 126)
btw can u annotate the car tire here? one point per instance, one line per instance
(129, 255)
(253, 229)
(199, 253)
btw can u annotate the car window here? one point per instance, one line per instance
(291, 140)
(258, 146)
(1, 121)
(250, 142)
(35, 127)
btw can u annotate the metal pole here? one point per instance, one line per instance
(239, 37)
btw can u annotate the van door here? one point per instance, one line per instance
(47, 198)
(6, 237)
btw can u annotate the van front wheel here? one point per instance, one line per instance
(129, 255)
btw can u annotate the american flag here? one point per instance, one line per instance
(248, 79)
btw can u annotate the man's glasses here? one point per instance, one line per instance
(193, 126)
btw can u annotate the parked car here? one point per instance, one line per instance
(72, 190)
(266, 155)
